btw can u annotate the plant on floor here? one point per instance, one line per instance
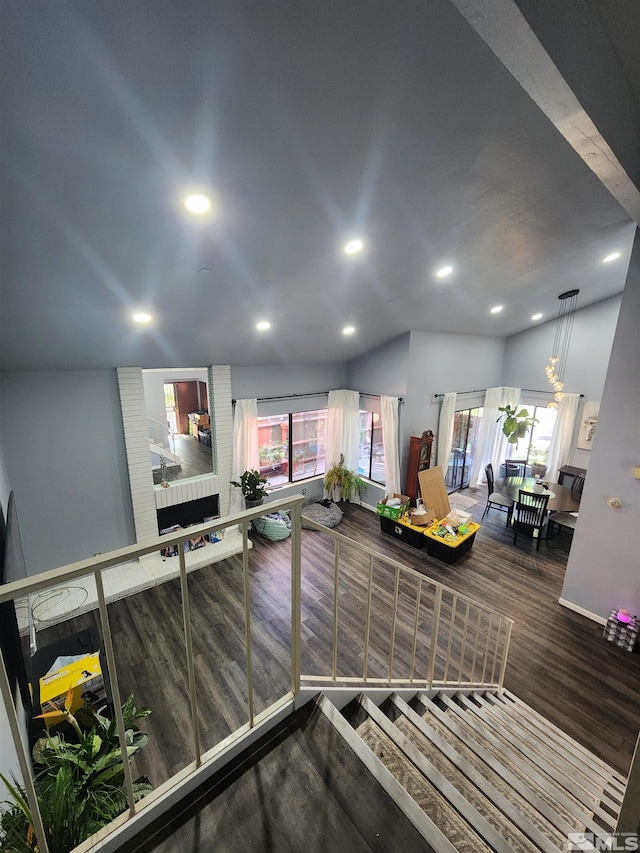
(252, 484)
(515, 423)
(339, 480)
(79, 783)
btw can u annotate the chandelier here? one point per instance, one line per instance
(558, 359)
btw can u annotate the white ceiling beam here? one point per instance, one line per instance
(505, 30)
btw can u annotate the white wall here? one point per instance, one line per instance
(441, 363)
(270, 381)
(602, 572)
(381, 371)
(64, 455)
(527, 355)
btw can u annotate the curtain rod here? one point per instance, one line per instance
(481, 390)
(310, 394)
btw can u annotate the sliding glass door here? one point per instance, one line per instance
(466, 426)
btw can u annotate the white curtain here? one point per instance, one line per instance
(445, 431)
(245, 437)
(343, 428)
(389, 410)
(487, 436)
(562, 439)
(501, 447)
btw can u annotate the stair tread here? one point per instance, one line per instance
(572, 783)
(510, 699)
(501, 823)
(554, 750)
(497, 780)
(434, 804)
(527, 770)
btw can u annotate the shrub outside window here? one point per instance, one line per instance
(538, 438)
(292, 447)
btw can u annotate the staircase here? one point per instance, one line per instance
(472, 771)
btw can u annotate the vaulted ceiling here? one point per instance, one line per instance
(307, 124)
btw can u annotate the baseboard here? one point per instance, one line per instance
(581, 610)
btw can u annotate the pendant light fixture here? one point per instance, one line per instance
(558, 359)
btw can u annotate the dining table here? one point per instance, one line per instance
(561, 498)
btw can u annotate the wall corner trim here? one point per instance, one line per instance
(581, 610)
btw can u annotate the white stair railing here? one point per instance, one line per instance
(415, 631)
(161, 434)
(434, 637)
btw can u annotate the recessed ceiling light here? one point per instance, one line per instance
(496, 309)
(443, 272)
(537, 317)
(198, 203)
(612, 257)
(141, 317)
(348, 330)
(263, 325)
(354, 246)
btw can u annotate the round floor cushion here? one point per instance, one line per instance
(329, 516)
(274, 526)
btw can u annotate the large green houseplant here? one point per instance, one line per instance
(78, 778)
(515, 423)
(340, 481)
(252, 484)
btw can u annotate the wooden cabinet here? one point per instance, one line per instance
(413, 464)
(419, 459)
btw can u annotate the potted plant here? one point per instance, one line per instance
(342, 481)
(516, 423)
(538, 461)
(252, 484)
(78, 777)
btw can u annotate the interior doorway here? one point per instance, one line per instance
(170, 406)
(466, 427)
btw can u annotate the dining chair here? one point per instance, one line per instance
(566, 520)
(495, 499)
(530, 515)
(561, 520)
(515, 467)
(578, 484)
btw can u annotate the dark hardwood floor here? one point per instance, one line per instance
(559, 662)
(195, 458)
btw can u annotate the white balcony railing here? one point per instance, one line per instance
(413, 631)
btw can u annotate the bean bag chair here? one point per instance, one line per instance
(274, 526)
(328, 516)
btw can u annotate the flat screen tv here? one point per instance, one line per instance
(12, 568)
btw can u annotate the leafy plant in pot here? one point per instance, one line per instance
(538, 461)
(339, 480)
(252, 484)
(516, 423)
(79, 779)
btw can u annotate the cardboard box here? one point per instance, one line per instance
(84, 676)
(434, 492)
(422, 519)
(393, 511)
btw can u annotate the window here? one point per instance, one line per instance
(466, 428)
(535, 444)
(371, 448)
(292, 447)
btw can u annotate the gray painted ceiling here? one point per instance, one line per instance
(307, 122)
